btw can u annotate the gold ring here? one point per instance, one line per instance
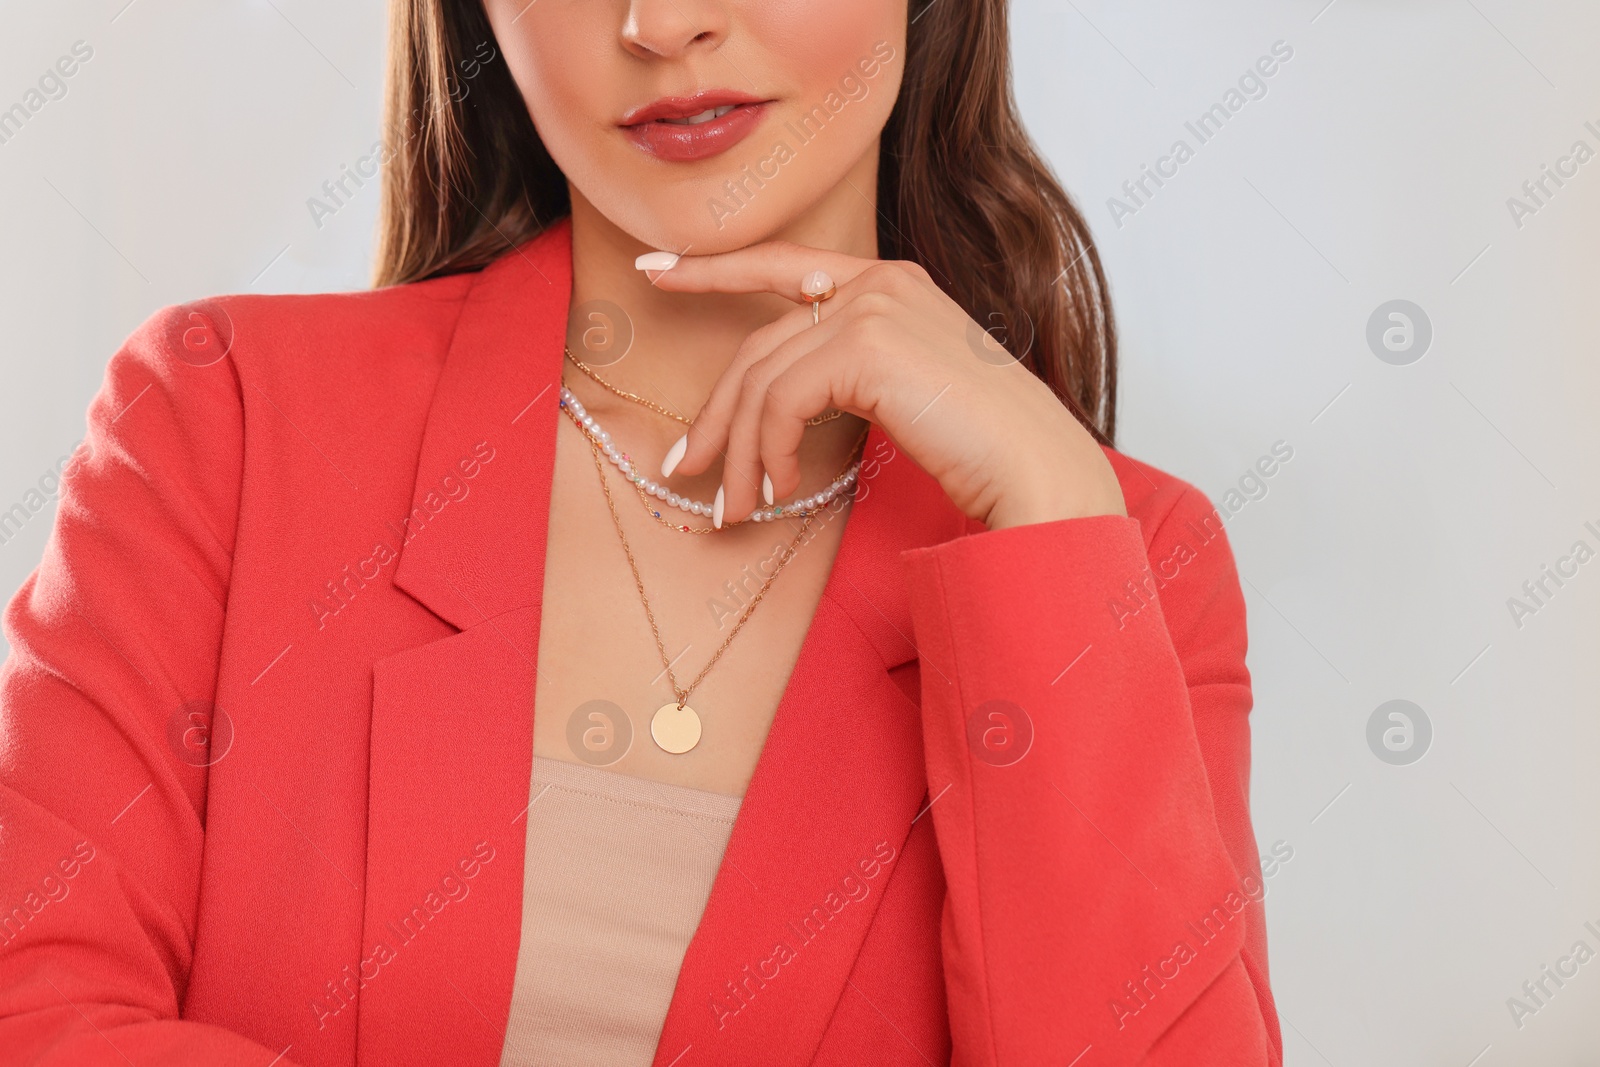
(814, 289)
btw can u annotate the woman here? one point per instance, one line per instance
(739, 397)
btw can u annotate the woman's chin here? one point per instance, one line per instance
(693, 230)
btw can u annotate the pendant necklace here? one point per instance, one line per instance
(675, 727)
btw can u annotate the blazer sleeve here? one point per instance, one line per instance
(1086, 720)
(114, 647)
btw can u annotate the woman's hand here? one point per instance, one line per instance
(893, 349)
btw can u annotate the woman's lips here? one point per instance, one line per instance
(679, 142)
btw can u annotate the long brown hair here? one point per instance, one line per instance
(961, 188)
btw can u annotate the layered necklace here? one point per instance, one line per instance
(676, 727)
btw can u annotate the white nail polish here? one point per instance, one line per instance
(716, 509)
(766, 489)
(656, 261)
(674, 456)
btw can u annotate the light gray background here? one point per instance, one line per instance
(1378, 565)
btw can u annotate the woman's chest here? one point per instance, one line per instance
(635, 612)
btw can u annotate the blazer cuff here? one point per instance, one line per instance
(1083, 575)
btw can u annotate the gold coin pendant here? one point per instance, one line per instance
(674, 729)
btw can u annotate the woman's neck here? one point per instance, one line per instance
(682, 342)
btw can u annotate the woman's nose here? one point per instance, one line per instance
(669, 28)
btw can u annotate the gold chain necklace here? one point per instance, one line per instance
(675, 727)
(816, 420)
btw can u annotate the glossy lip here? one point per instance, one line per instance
(681, 144)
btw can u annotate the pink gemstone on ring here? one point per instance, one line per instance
(816, 286)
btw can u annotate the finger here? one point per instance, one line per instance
(888, 282)
(886, 292)
(708, 438)
(806, 381)
(902, 282)
(740, 490)
(771, 267)
(747, 458)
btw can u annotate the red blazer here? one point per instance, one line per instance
(326, 516)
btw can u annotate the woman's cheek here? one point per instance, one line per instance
(822, 40)
(562, 61)
(571, 116)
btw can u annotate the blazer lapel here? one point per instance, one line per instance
(838, 784)
(452, 724)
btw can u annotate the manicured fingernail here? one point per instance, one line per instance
(716, 509)
(766, 489)
(656, 261)
(674, 456)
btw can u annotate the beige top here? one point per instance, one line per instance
(618, 873)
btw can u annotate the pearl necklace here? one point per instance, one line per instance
(624, 463)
